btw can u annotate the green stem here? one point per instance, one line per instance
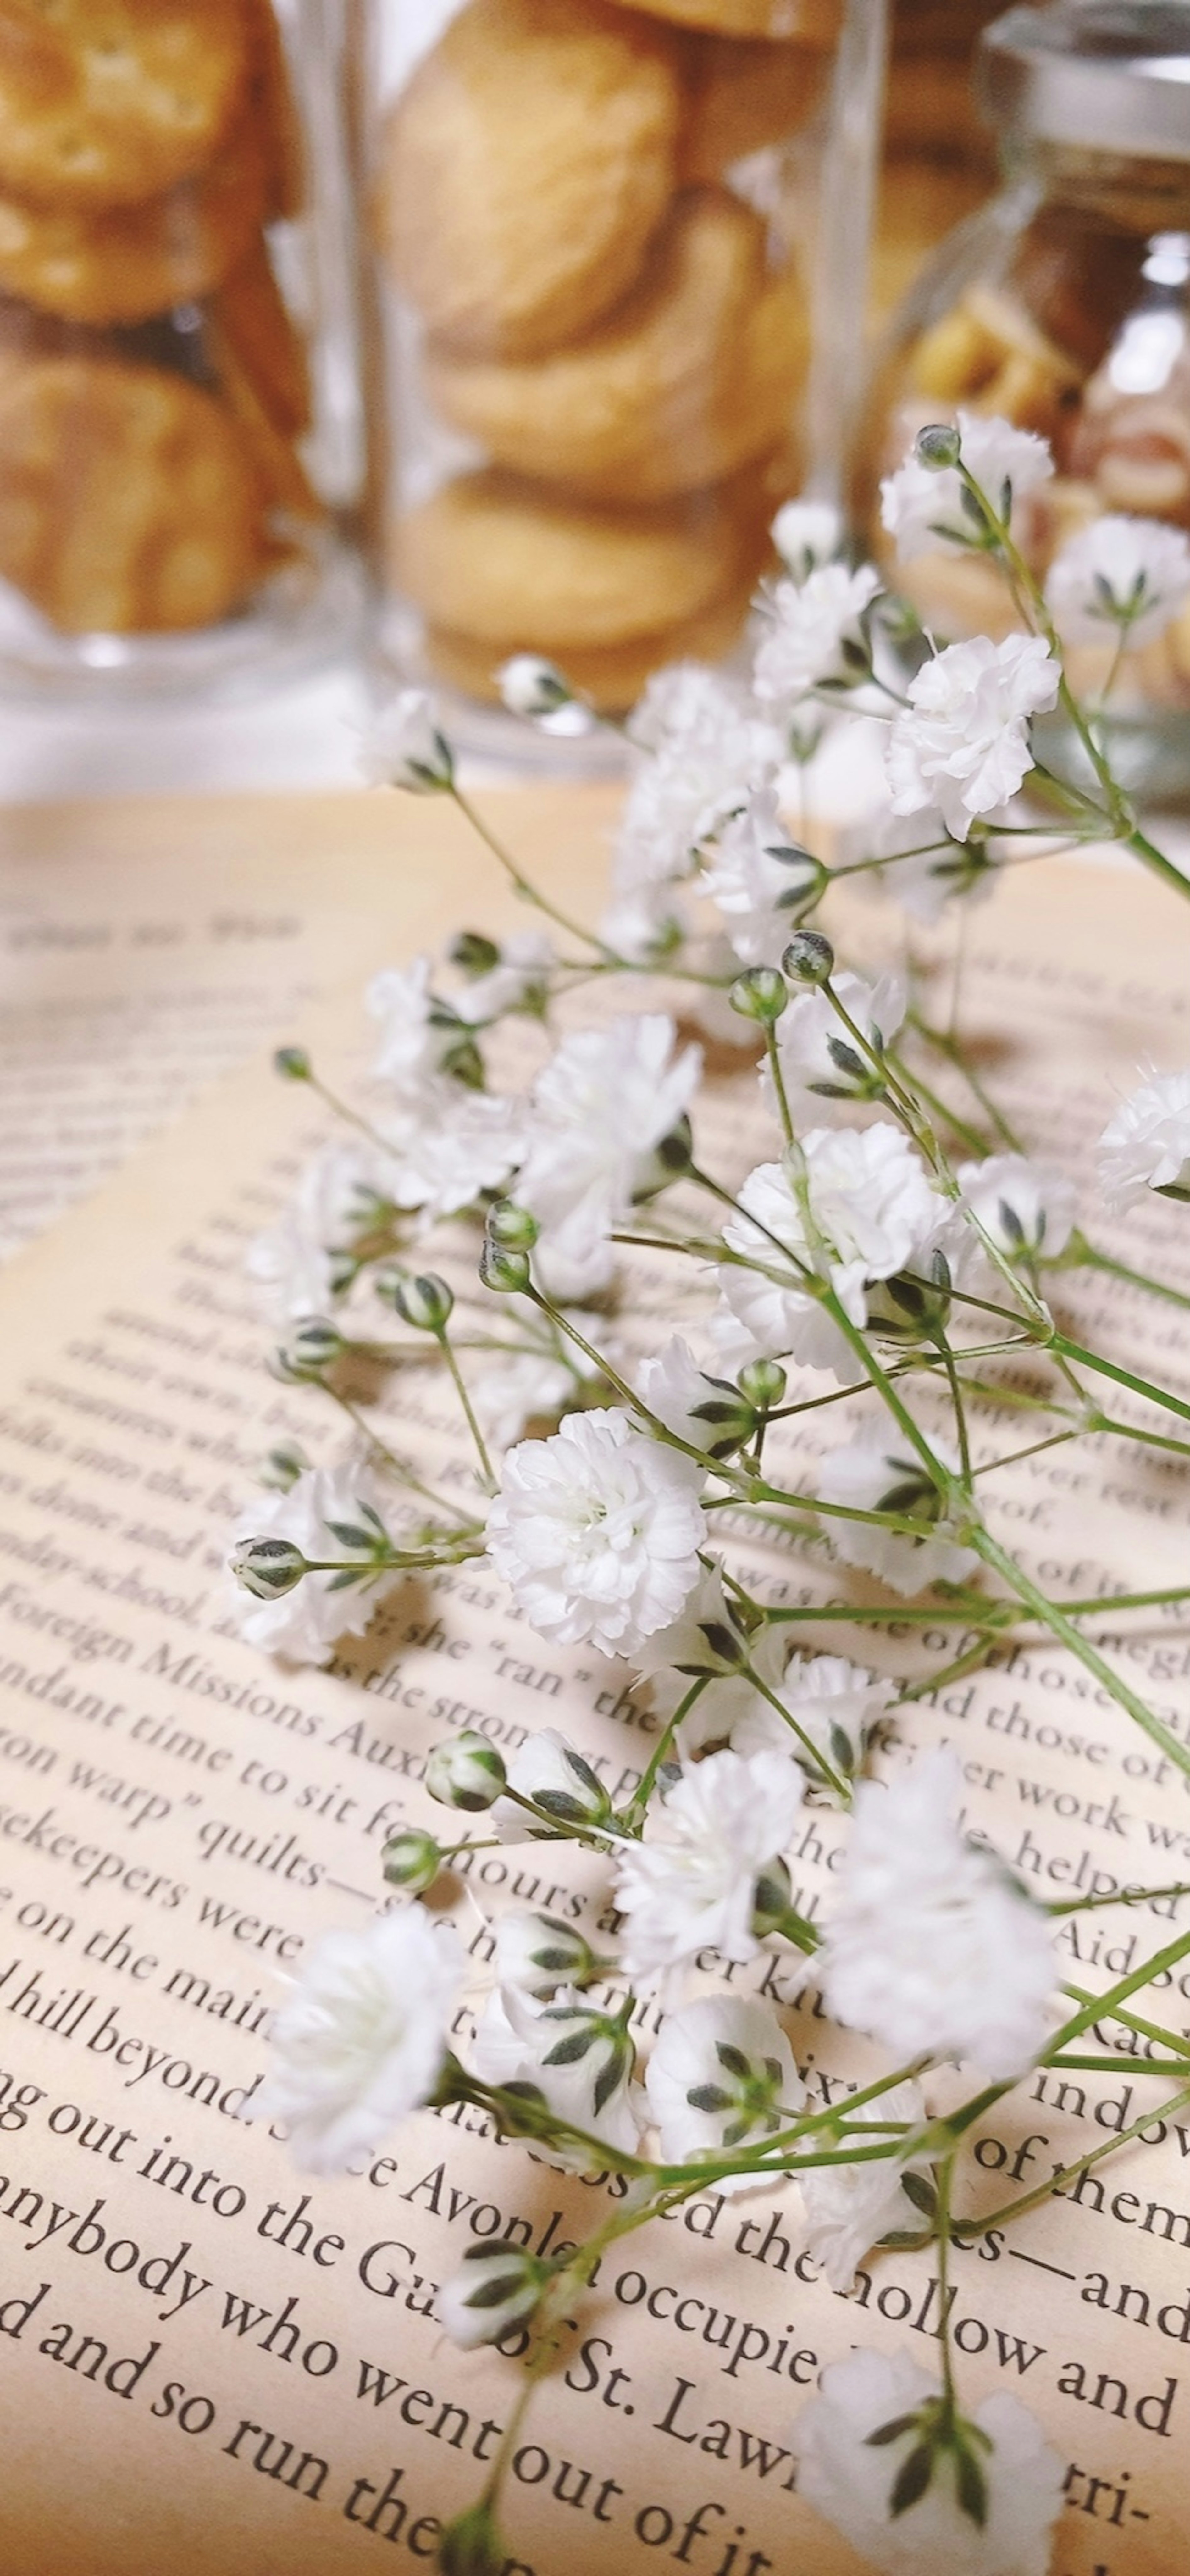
(485, 1463)
(1059, 1625)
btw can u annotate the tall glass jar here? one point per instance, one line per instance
(618, 266)
(179, 410)
(1064, 307)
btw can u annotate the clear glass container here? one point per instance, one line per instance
(179, 408)
(618, 258)
(1064, 306)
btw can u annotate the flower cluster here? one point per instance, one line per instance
(517, 1196)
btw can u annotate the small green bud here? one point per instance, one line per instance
(425, 1302)
(763, 1383)
(539, 1952)
(293, 1064)
(938, 446)
(507, 1272)
(771, 1898)
(532, 687)
(411, 1859)
(474, 953)
(282, 1466)
(498, 2287)
(760, 994)
(809, 958)
(512, 1227)
(267, 1567)
(314, 1348)
(465, 1772)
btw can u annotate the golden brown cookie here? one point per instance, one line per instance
(525, 168)
(128, 501)
(695, 372)
(743, 94)
(611, 675)
(807, 22)
(283, 478)
(275, 107)
(498, 560)
(106, 102)
(988, 353)
(250, 318)
(125, 263)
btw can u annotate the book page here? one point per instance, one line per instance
(210, 2361)
(149, 945)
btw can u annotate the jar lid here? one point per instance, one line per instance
(1109, 75)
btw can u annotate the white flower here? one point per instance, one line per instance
(599, 1110)
(869, 1201)
(1146, 1146)
(532, 687)
(814, 632)
(705, 1643)
(1026, 1208)
(518, 977)
(758, 878)
(579, 2059)
(962, 744)
(302, 1259)
(550, 1771)
(850, 2207)
(362, 2038)
(498, 2287)
(721, 2076)
(849, 2477)
(1119, 574)
(925, 867)
(823, 1070)
(456, 1146)
(597, 1531)
(807, 534)
(415, 1036)
(924, 510)
(305, 1624)
(881, 1472)
(402, 746)
(673, 1386)
(709, 750)
(931, 1948)
(690, 1885)
(836, 1704)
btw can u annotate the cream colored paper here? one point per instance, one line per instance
(177, 1817)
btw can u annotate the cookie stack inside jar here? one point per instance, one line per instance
(590, 227)
(155, 396)
(1065, 309)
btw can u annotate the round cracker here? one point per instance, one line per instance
(107, 102)
(126, 263)
(129, 502)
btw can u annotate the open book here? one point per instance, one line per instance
(207, 2362)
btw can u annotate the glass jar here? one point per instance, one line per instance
(1065, 307)
(178, 395)
(616, 319)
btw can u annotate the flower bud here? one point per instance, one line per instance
(538, 1953)
(498, 2286)
(293, 1064)
(531, 687)
(465, 1772)
(267, 1567)
(315, 1346)
(760, 995)
(771, 1898)
(675, 1153)
(281, 1467)
(512, 1227)
(474, 953)
(425, 1302)
(506, 1272)
(548, 1771)
(411, 1859)
(809, 958)
(763, 1384)
(938, 446)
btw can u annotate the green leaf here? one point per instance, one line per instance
(709, 2097)
(732, 2060)
(912, 2479)
(568, 2051)
(349, 1534)
(608, 2078)
(972, 2487)
(491, 2294)
(891, 2432)
(921, 2192)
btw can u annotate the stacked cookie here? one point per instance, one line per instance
(606, 319)
(152, 385)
